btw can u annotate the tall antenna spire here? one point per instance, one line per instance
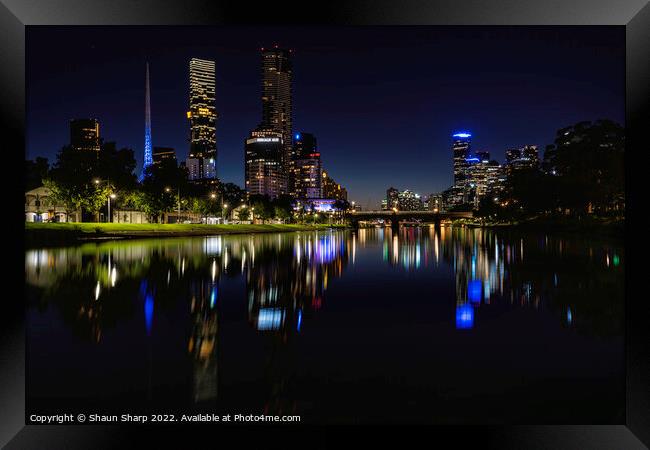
(148, 157)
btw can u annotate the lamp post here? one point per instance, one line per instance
(97, 182)
(168, 189)
(112, 196)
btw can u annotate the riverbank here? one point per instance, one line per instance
(51, 234)
(593, 226)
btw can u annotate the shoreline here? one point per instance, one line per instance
(54, 235)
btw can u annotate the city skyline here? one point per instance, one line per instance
(415, 155)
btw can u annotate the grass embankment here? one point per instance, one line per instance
(591, 225)
(38, 234)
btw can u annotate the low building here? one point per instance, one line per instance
(128, 216)
(39, 207)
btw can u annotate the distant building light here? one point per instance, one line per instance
(462, 135)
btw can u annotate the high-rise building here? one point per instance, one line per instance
(409, 201)
(84, 134)
(161, 154)
(461, 150)
(148, 157)
(304, 144)
(202, 160)
(277, 73)
(526, 157)
(512, 154)
(263, 169)
(306, 168)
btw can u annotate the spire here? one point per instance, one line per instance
(148, 158)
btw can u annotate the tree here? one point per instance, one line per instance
(531, 191)
(84, 179)
(587, 160)
(36, 172)
(263, 207)
(244, 213)
(232, 194)
(283, 207)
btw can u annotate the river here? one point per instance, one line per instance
(428, 325)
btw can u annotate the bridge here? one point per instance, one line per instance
(395, 217)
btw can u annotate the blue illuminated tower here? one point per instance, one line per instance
(148, 157)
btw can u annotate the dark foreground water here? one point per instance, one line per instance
(446, 325)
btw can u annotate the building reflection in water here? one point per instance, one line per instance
(286, 277)
(498, 267)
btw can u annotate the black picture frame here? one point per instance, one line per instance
(16, 15)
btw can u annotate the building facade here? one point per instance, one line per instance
(461, 152)
(202, 160)
(409, 201)
(277, 73)
(84, 134)
(331, 189)
(392, 198)
(263, 163)
(40, 207)
(161, 154)
(526, 157)
(306, 168)
(435, 203)
(308, 177)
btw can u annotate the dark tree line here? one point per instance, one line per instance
(582, 172)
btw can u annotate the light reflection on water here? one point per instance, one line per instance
(284, 280)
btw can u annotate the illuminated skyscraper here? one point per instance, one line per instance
(276, 100)
(461, 149)
(148, 156)
(526, 157)
(202, 160)
(306, 167)
(461, 152)
(262, 169)
(84, 134)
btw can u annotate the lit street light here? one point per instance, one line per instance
(112, 196)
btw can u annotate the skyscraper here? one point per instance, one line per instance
(277, 73)
(526, 157)
(148, 156)
(461, 149)
(201, 163)
(262, 169)
(84, 134)
(306, 168)
(461, 154)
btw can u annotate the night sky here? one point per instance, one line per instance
(382, 101)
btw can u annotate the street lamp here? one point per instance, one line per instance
(168, 189)
(112, 196)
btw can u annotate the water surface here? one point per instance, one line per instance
(428, 325)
